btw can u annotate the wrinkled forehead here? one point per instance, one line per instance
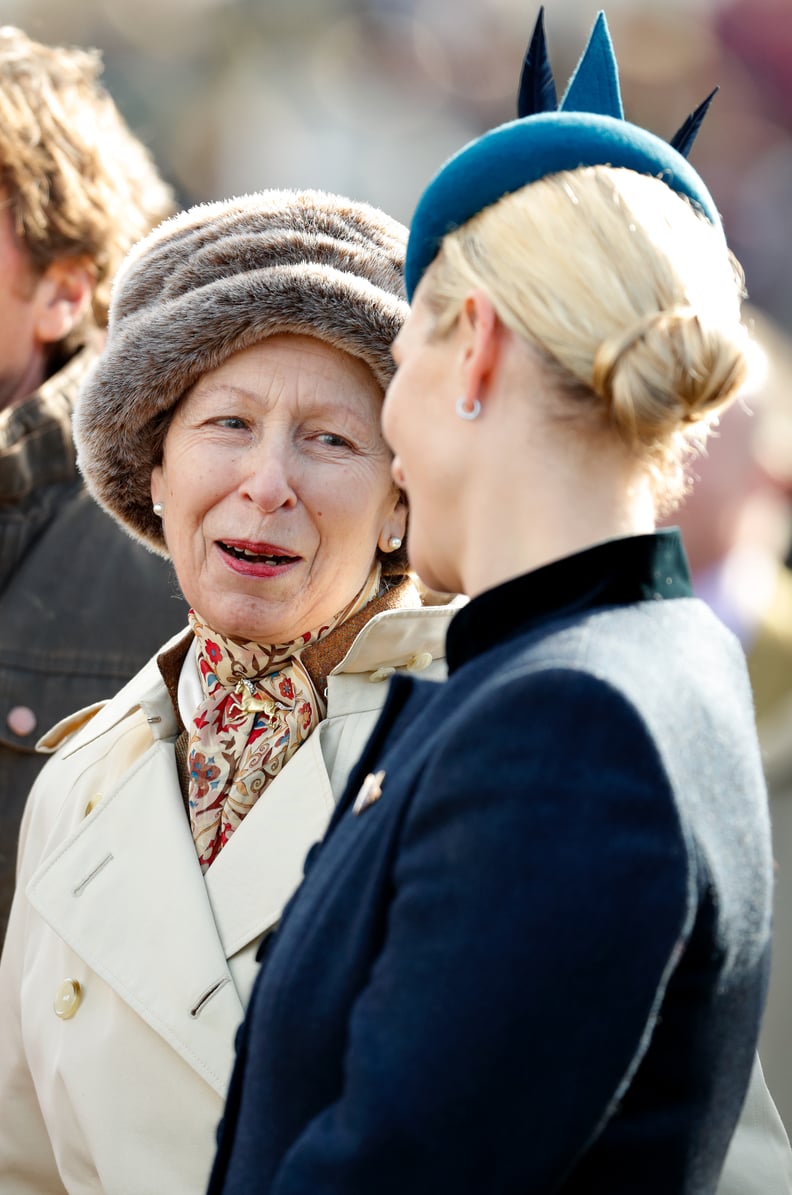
(297, 375)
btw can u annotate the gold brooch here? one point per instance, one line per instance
(249, 703)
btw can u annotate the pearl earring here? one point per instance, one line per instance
(158, 509)
(394, 543)
(465, 412)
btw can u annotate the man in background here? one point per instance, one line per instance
(82, 605)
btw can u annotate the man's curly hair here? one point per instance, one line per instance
(75, 179)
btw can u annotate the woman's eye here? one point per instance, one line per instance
(333, 440)
(233, 422)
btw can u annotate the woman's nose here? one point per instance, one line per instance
(267, 481)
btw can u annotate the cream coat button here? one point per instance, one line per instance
(67, 999)
(21, 720)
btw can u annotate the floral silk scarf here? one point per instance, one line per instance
(259, 706)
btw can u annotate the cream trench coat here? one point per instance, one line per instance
(121, 1095)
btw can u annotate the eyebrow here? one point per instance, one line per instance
(210, 389)
(314, 405)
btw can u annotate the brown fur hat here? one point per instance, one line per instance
(209, 282)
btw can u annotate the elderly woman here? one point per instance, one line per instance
(233, 424)
(531, 953)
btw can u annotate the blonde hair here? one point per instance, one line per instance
(76, 181)
(629, 296)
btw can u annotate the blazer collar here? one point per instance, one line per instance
(617, 572)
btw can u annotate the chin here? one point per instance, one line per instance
(242, 625)
(431, 577)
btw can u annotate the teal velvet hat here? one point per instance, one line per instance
(587, 129)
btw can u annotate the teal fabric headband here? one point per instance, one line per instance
(587, 129)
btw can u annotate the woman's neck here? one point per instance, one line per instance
(526, 513)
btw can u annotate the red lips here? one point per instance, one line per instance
(255, 559)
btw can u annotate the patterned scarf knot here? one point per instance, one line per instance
(259, 706)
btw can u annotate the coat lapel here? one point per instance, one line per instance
(125, 892)
(262, 863)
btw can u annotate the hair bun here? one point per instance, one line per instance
(668, 371)
(610, 352)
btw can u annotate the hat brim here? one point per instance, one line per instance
(509, 157)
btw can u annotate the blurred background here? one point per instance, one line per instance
(367, 97)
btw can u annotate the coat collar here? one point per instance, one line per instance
(36, 452)
(145, 691)
(394, 639)
(397, 638)
(618, 572)
(36, 446)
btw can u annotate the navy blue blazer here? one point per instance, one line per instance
(530, 954)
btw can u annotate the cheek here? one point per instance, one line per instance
(352, 514)
(405, 423)
(346, 522)
(196, 488)
(391, 409)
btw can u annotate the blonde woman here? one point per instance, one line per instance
(531, 953)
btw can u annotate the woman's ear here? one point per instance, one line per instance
(63, 295)
(395, 524)
(481, 337)
(157, 484)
